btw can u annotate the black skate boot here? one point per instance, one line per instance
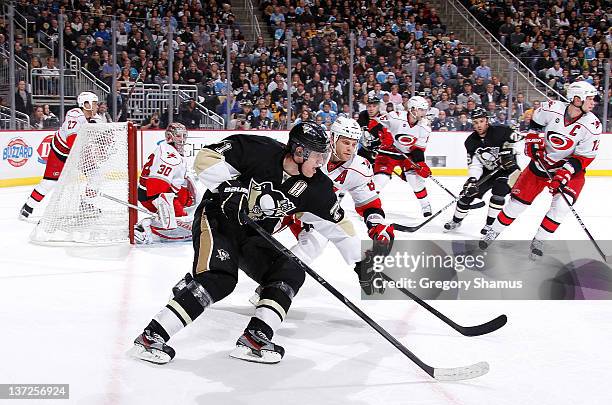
(536, 249)
(451, 225)
(255, 346)
(151, 347)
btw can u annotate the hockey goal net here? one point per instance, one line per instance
(102, 162)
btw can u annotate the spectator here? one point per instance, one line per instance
(153, 122)
(103, 115)
(38, 118)
(23, 99)
(483, 71)
(463, 124)
(189, 114)
(327, 114)
(468, 94)
(50, 73)
(263, 121)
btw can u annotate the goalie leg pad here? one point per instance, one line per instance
(165, 210)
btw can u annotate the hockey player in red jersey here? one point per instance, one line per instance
(404, 133)
(61, 144)
(166, 189)
(566, 147)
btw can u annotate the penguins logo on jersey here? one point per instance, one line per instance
(488, 156)
(265, 201)
(559, 141)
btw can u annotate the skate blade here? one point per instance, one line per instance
(155, 356)
(245, 353)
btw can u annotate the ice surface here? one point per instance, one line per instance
(68, 315)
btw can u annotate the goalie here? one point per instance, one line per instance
(166, 189)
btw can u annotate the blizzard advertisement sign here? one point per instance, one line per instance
(459, 269)
(17, 152)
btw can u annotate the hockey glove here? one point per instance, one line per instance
(234, 201)
(470, 188)
(534, 146)
(507, 159)
(370, 281)
(422, 169)
(386, 138)
(382, 233)
(561, 178)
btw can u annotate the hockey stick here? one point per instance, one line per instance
(442, 374)
(414, 228)
(127, 204)
(606, 258)
(479, 204)
(476, 330)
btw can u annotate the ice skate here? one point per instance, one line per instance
(536, 249)
(487, 239)
(152, 348)
(254, 346)
(426, 209)
(451, 225)
(25, 212)
(485, 230)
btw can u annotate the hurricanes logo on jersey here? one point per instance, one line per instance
(265, 201)
(559, 141)
(406, 140)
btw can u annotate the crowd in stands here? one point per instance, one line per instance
(562, 41)
(397, 42)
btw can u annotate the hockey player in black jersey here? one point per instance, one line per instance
(488, 148)
(255, 176)
(370, 141)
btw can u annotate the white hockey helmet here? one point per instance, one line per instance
(176, 135)
(582, 90)
(87, 97)
(346, 127)
(418, 103)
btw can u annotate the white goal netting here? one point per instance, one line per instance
(97, 165)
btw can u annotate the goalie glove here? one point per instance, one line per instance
(470, 188)
(234, 201)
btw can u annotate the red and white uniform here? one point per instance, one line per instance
(355, 178)
(165, 172)
(569, 146)
(409, 139)
(62, 142)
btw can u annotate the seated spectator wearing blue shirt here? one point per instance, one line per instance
(327, 114)
(483, 71)
(102, 32)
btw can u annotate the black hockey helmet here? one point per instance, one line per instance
(373, 100)
(309, 135)
(478, 113)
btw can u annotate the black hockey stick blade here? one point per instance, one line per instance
(476, 330)
(442, 374)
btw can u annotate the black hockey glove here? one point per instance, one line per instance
(507, 159)
(369, 280)
(470, 189)
(234, 201)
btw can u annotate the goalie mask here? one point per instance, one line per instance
(176, 135)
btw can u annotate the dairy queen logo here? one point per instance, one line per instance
(17, 152)
(44, 149)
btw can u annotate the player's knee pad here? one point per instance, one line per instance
(514, 208)
(285, 270)
(218, 283)
(189, 299)
(497, 201)
(416, 182)
(464, 203)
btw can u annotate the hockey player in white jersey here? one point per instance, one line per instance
(567, 146)
(62, 142)
(404, 133)
(165, 188)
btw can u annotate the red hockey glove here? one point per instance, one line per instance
(386, 138)
(534, 146)
(422, 170)
(382, 233)
(561, 178)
